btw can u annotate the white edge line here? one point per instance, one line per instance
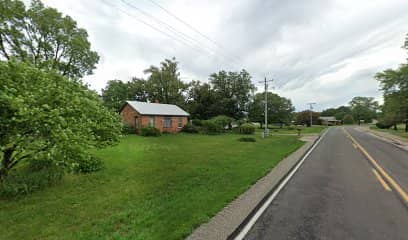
(260, 211)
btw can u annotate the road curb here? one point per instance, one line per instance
(230, 221)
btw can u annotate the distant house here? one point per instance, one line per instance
(165, 117)
(329, 121)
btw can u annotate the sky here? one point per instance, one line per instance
(322, 51)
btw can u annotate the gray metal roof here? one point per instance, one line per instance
(145, 108)
(328, 118)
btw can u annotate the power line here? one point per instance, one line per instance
(190, 26)
(160, 22)
(176, 31)
(153, 27)
(176, 37)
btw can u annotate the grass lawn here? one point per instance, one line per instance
(305, 130)
(400, 132)
(151, 188)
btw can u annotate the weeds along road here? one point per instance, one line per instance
(352, 186)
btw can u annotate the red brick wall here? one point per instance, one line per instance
(159, 123)
(128, 115)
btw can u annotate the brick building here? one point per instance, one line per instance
(165, 117)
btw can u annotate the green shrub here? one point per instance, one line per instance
(37, 175)
(211, 127)
(290, 127)
(190, 128)
(247, 128)
(348, 119)
(384, 125)
(197, 122)
(150, 132)
(128, 129)
(87, 165)
(247, 139)
(222, 121)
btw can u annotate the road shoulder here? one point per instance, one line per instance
(387, 137)
(227, 221)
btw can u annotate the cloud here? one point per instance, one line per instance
(325, 51)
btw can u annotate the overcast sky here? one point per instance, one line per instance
(323, 51)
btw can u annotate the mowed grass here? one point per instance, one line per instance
(400, 132)
(151, 188)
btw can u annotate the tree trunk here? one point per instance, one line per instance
(395, 126)
(406, 125)
(6, 162)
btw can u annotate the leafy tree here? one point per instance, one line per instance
(45, 116)
(201, 101)
(164, 84)
(364, 108)
(341, 112)
(348, 119)
(328, 112)
(117, 92)
(304, 117)
(394, 84)
(232, 91)
(280, 109)
(44, 37)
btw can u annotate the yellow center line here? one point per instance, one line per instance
(384, 174)
(381, 180)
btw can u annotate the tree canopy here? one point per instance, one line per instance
(364, 108)
(44, 37)
(394, 84)
(46, 116)
(232, 91)
(280, 109)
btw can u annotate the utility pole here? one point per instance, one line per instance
(266, 132)
(311, 112)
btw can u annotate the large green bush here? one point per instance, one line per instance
(46, 116)
(384, 124)
(128, 129)
(89, 164)
(35, 176)
(150, 132)
(190, 128)
(212, 127)
(223, 121)
(247, 128)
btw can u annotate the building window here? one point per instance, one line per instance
(180, 122)
(167, 122)
(152, 122)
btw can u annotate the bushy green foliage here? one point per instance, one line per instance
(88, 164)
(197, 122)
(290, 127)
(211, 127)
(247, 139)
(150, 132)
(46, 116)
(348, 119)
(190, 128)
(247, 128)
(128, 129)
(222, 120)
(44, 37)
(384, 124)
(37, 175)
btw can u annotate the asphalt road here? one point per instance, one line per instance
(337, 195)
